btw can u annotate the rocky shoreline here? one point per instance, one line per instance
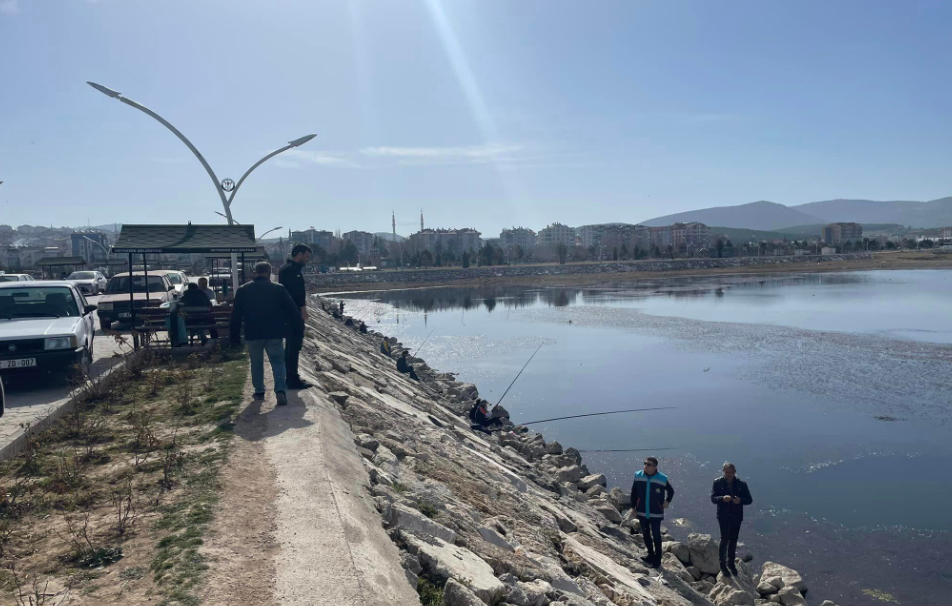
(324, 282)
(508, 518)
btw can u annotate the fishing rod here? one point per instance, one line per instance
(417, 353)
(630, 450)
(520, 373)
(595, 414)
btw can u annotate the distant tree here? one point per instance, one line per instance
(927, 243)
(656, 252)
(520, 253)
(890, 245)
(670, 250)
(562, 251)
(350, 254)
(847, 246)
(426, 258)
(720, 247)
(591, 251)
(486, 254)
(466, 259)
(615, 254)
(624, 250)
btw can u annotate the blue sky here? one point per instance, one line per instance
(484, 113)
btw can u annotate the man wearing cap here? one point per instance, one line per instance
(651, 493)
(730, 494)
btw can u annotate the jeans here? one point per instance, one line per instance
(295, 342)
(275, 349)
(730, 530)
(649, 528)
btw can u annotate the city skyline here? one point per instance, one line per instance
(486, 114)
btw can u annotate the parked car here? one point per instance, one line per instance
(114, 303)
(46, 326)
(89, 282)
(5, 277)
(3, 397)
(178, 279)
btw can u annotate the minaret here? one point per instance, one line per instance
(421, 219)
(393, 220)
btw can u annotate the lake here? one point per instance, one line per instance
(830, 393)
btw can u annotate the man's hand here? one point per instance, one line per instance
(726, 498)
(304, 313)
(736, 500)
(665, 504)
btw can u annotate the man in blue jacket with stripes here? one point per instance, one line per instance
(651, 493)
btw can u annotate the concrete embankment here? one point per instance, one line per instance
(326, 282)
(508, 518)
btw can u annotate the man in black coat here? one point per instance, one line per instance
(266, 309)
(403, 365)
(730, 494)
(292, 278)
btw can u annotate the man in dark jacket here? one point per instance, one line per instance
(482, 419)
(194, 296)
(266, 309)
(292, 278)
(403, 365)
(730, 494)
(651, 493)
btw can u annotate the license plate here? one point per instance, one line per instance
(23, 363)
(125, 314)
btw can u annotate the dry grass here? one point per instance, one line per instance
(109, 505)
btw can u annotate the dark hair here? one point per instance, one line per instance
(262, 268)
(191, 285)
(300, 248)
(652, 460)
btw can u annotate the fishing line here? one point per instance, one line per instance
(595, 414)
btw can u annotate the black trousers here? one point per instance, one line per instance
(651, 531)
(292, 349)
(730, 530)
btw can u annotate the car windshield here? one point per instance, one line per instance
(82, 275)
(120, 284)
(174, 278)
(37, 302)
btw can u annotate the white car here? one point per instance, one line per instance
(3, 398)
(88, 282)
(5, 277)
(46, 326)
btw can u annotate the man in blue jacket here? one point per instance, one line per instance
(651, 493)
(730, 494)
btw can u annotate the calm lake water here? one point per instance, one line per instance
(831, 393)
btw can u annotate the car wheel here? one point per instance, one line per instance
(105, 324)
(78, 373)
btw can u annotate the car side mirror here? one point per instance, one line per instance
(171, 287)
(89, 309)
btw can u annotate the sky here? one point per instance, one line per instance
(482, 113)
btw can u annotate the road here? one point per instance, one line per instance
(33, 397)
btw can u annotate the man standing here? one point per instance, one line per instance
(292, 278)
(651, 493)
(730, 494)
(266, 310)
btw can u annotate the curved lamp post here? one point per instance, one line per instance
(223, 186)
(261, 237)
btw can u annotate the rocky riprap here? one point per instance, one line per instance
(507, 518)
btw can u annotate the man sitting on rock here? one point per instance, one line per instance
(730, 494)
(404, 366)
(651, 493)
(482, 419)
(385, 347)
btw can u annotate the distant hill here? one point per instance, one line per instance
(389, 237)
(937, 213)
(767, 216)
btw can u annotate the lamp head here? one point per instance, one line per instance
(105, 90)
(301, 141)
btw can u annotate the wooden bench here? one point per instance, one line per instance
(151, 320)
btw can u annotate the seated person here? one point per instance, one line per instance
(363, 328)
(404, 366)
(194, 296)
(482, 419)
(385, 347)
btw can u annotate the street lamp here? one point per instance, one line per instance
(223, 186)
(267, 232)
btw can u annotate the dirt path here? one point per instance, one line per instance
(241, 547)
(297, 525)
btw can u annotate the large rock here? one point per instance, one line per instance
(386, 460)
(734, 590)
(367, 441)
(553, 448)
(445, 561)
(575, 454)
(491, 536)
(766, 588)
(680, 551)
(607, 510)
(673, 564)
(596, 479)
(456, 594)
(570, 474)
(410, 519)
(704, 553)
(781, 576)
(789, 596)
(620, 499)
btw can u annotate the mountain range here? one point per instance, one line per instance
(771, 216)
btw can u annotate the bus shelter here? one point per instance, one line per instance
(52, 265)
(180, 239)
